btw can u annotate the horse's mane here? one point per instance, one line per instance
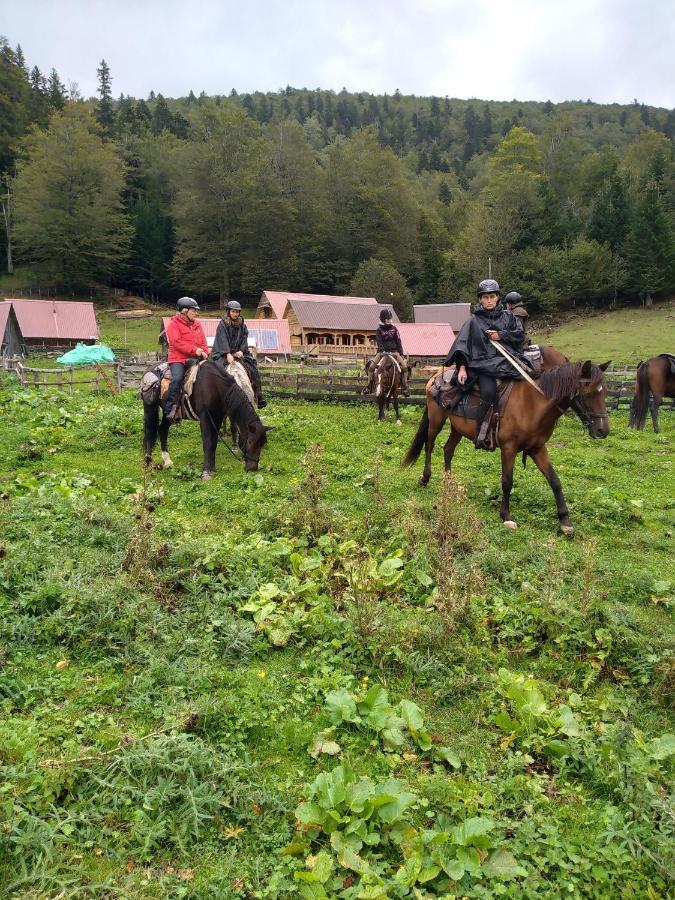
(562, 382)
(242, 413)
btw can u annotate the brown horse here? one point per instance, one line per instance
(653, 376)
(526, 425)
(387, 378)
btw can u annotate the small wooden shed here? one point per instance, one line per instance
(11, 339)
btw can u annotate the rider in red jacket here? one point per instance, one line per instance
(186, 340)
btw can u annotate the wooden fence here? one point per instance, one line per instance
(300, 381)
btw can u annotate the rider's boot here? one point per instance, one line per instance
(405, 389)
(262, 403)
(486, 439)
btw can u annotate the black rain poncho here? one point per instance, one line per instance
(229, 339)
(472, 348)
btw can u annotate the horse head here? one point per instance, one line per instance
(588, 401)
(252, 439)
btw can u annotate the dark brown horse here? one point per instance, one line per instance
(387, 379)
(654, 376)
(525, 426)
(215, 395)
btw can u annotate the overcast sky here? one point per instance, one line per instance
(608, 50)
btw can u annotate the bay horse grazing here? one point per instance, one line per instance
(525, 426)
(388, 379)
(655, 376)
(215, 395)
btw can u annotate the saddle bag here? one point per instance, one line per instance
(151, 384)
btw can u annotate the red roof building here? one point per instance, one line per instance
(453, 314)
(274, 304)
(55, 323)
(270, 337)
(426, 339)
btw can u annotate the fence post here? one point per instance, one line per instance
(72, 381)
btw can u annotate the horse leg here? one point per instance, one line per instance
(398, 416)
(167, 462)
(450, 447)
(380, 403)
(150, 428)
(543, 463)
(209, 426)
(435, 428)
(654, 406)
(508, 459)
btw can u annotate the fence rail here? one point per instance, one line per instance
(302, 382)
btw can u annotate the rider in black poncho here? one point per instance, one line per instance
(231, 343)
(475, 356)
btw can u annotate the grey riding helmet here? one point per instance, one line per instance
(186, 303)
(488, 286)
(385, 316)
(232, 304)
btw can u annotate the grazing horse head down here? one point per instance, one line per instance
(526, 425)
(215, 395)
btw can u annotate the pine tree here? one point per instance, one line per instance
(56, 90)
(105, 113)
(610, 214)
(650, 245)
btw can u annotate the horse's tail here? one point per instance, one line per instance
(640, 404)
(419, 441)
(150, 428)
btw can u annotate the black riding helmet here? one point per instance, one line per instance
(186, 303)
(385, 316)
(488, 286)
(514, 298)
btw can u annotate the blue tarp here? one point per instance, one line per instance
(86, 354)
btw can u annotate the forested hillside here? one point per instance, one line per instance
(310, 190)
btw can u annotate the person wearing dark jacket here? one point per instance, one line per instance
(388, 340)
(475, 356)
(231, 342)
(514, 303)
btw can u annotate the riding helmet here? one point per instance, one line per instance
(488, 286)
(233, 304)
(186, 303)
(385, 315)
(513, 297)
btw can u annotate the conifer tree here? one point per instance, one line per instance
(650, 245)
(105, 113)
(56, 90)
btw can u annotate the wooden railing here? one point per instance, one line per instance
(301, 380)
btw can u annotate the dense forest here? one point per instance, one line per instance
(312, 190)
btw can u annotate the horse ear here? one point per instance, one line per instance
(586, 369)
(605, 365)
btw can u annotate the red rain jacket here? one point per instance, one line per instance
(184, 337)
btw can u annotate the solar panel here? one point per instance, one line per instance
(266, 338)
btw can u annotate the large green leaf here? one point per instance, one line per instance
(473, 832)
(341, 707)
(502, 864)
(310, 813)
(411, 715)
(662, 747)
(330, 787)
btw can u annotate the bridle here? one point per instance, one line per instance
(579, 406)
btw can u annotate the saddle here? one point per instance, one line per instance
(671, 359)
(464, 400)
(185, 407)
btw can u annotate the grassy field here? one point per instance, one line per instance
(624, 336)
(321, 680)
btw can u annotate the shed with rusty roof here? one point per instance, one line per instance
(344, 327)
(55, 323)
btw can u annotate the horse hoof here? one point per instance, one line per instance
(567, 530)
(147, 459)
(167, 462)
(207, 476)
(509, 523)
(398, 422)
(422, 481)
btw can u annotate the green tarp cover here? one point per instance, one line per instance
(83, 354)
